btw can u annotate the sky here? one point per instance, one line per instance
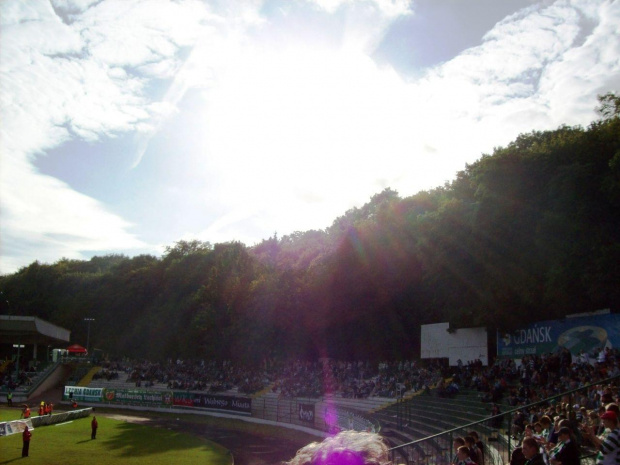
(128, 125)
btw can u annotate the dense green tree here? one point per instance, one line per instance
(527, 233)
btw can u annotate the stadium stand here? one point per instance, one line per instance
(424, 405)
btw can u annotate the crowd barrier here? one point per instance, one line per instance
(17, 426)
(14, 427)
(46, 420)
(146, 398)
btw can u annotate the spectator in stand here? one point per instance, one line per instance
(498, 420)
(557, 424)
(518, 424)
(538, 430)
(517, 457)
(547, 427)
(479, 444)
(609, 443)
(566, 452)
(531, 452)
(464, 457)
(594, 421)
(457, 443)
(474, 452)
(614, 408)
(528, 431)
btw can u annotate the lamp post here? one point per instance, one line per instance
(88, 335)
(18, 347)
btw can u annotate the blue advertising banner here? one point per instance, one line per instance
(578, 334)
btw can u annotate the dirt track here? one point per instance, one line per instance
(246, 448)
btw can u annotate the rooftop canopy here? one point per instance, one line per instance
(31, 330)
(76, 349)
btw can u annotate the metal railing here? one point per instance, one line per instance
(41, 377)
(438, 449)
(37, 378)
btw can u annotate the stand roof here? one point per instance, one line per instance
(31, 330)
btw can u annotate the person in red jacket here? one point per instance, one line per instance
(93, 426)
(26, 440)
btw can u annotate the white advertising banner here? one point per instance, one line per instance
(79, 393)
(15, 427)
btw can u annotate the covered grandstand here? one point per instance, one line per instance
(25, 348)
(30, 332)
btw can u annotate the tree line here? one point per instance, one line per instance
(528, 233)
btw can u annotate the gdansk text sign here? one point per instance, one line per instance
(578, 334)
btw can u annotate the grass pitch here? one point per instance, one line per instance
(117, 442)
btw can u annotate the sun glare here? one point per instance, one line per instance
(309, 125)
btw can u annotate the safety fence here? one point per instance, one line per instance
(62, 417)
(319, 414)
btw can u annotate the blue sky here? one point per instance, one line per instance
(127, 125)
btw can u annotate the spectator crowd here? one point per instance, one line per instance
(288, 379)
(505, 382)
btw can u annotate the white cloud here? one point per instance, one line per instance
(387, 8)
(52, 219)
(585, 70)
(530, 72)
(51, 91)
(72, 7)
(130, 34)
(296, 132)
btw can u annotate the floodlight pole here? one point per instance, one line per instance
(18, 347)
(88, 335)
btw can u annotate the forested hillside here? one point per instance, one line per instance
(528, 233)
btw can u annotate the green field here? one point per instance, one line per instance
(117, 442)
